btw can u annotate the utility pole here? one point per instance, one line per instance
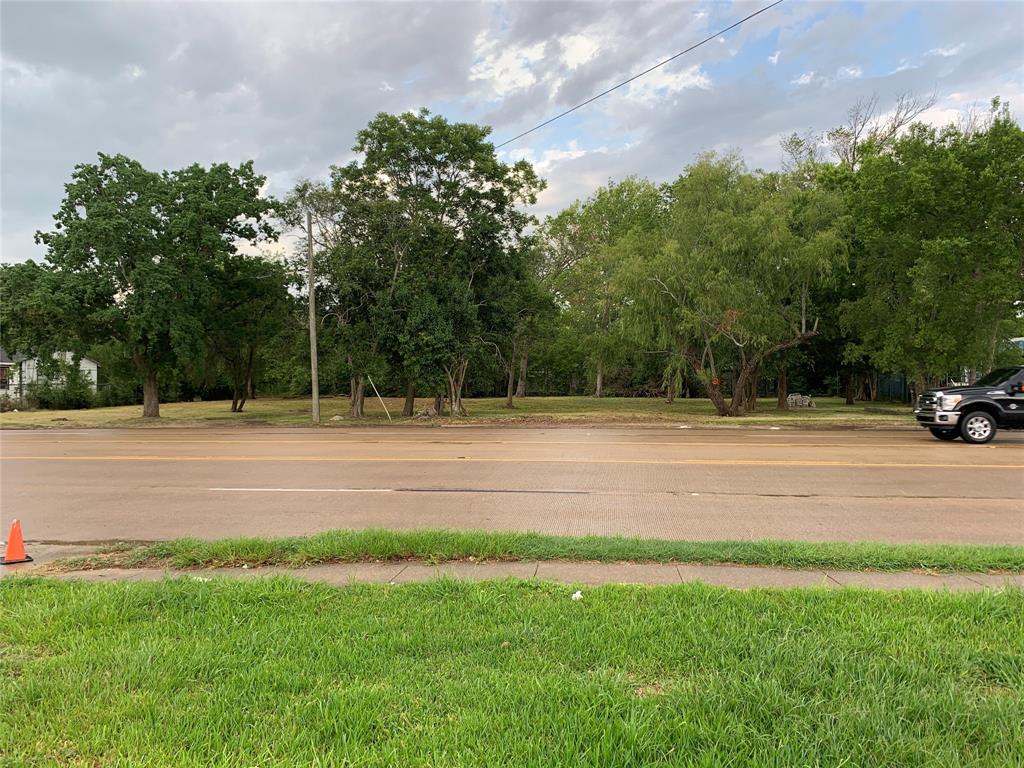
(314, 377)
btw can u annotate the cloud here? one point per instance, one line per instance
(578, 49)
(946, 52)
(661, 83)
(807, 78)
(176, 83)
(502, 68)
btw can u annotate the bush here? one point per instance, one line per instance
(61, 386)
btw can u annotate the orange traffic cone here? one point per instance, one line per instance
(15, 547)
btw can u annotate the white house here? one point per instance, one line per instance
(17, 373)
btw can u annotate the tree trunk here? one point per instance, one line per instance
(456, 378)
(783, 389)
(409, 409)
(510, 390)
(150, 395)
(439, 405)
(717, 399)
(599, 386)
(750, 390)
(356, 409)
(352, 384)
(521, 388)
(242, 392)
(740, 391)
(849, 389)
(670, 395)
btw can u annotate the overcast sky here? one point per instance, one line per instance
(289, 84)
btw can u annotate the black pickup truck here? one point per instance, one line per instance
(976, 412)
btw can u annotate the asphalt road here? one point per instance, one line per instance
(135, 484)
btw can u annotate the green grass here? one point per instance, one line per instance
(440, 546)
(277, 673)
(831, 412)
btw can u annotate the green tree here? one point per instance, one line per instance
(414, 237)
(582, 265)
(131, 253)
(941, 260)
(249, 308)
(729, 282)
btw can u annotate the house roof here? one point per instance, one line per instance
(7, 362)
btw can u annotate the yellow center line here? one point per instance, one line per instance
(663, 444)
(483, 459)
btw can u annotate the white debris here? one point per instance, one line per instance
(199, 578)
(577, 595)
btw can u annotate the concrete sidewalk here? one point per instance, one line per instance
(565, 572)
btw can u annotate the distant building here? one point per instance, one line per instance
(18, 372)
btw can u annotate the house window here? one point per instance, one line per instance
(4, 377)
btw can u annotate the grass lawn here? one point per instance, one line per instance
(830, 412)
(441, 546)
(278, 673)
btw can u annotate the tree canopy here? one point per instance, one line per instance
(899, 255)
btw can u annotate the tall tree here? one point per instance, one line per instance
(728, 284)
(582, 266)
(249, 307)
(132, 250)
(422, 227)
(938, 214)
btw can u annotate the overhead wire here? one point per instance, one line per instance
(637, 76)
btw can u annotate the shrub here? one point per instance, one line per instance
(60, 385)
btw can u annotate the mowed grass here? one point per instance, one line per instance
(278, 673)
(830, 412)
(441, 546)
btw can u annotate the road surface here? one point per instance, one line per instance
(150, 484)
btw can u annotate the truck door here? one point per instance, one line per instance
(1012, 400)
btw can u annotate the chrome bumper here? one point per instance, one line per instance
(939, 419)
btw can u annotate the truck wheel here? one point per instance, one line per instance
(944, 434)
(977, 427)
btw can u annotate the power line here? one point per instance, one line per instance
(641, 74)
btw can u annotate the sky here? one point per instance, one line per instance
(289, 84)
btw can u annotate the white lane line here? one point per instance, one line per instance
(305, 490)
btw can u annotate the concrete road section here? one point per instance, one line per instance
(135, 484)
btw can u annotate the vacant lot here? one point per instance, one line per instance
(830, 412)
(276, 673)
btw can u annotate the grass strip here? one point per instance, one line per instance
(441, 546)
(830, 412)
(274, 672)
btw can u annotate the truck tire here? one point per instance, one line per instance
(944, 434)
(977, 427)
